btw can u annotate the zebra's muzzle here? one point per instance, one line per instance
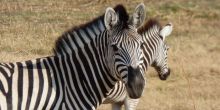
(135, 84)
(164, 75)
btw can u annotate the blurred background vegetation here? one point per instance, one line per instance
(29, 28)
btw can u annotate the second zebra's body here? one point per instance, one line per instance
(81, 77)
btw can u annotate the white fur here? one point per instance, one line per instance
(166, 30)
(139, 15)
(110, 18)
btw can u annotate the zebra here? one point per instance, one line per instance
(155, 54)
(82, 76)
(153, 37)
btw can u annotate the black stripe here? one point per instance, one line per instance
(94, 66)
(68, 96)
(97, 28)
(145, 49)
(122, 70)
(6, 65)
(122, 89)
(50, 86)
(55, 78)
(30, 80)
(41, 83)
(67, 76)
(68, 43)
(66, 106)
(81, 37)
(73, 78)
(81, 77)
(59, 74)
(125, 76)
(87, 67)
(2, 88)
(74, 41)
(85, 83)
(148, 49)
(9, 94)
(20, 84)
(3, 72)
(12, 67)
(87, 33)
(154, 41)
(100, 65)
(119, 65)
(97, 25)
(117, 91)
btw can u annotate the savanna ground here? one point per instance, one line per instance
(29, 28)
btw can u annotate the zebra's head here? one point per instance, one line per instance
(160, 63)
(124, 49)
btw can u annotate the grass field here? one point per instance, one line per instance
(29, 28)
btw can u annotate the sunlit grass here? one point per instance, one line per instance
(29, 28)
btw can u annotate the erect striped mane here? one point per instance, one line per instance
(63, 42)
(148, 25)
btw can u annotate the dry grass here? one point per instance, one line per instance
(29, 28)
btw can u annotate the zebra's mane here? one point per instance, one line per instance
(148, 25)
(62, 42)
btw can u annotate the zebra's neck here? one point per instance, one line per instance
(152, 41)
(90, 39)
(86, 46)
(77, 38)
(89, 73)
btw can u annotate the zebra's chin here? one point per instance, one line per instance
(164, 75)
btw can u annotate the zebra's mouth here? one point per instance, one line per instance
(164, 75)
(135, 84)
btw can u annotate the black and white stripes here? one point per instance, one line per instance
(154, 47)
(155, 54)
(85, 70)
(50, 82)
(27, 84)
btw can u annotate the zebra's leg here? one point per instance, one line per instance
(131, 104)
(117, 106)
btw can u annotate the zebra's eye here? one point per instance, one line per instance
(115, 47)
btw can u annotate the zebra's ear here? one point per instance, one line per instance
(111, 18)
(166, 30)
(138, 16)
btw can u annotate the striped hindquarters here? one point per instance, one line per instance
(26, 85)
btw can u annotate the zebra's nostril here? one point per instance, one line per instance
(163, 76)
